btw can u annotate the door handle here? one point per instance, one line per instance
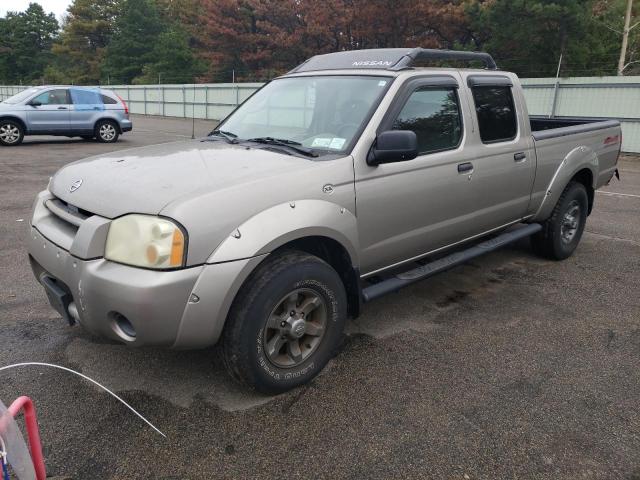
(62, 108)
(520, 156)
(465, 167)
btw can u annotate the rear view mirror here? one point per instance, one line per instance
(393, 146)
(34, 103)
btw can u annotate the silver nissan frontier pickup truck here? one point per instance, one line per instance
(352, 176)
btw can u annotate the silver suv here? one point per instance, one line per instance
(70, 111)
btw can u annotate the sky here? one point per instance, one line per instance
(56, 6)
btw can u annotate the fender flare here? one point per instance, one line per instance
(577, 159)
(283, 223)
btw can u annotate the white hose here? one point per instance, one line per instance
(40, 364)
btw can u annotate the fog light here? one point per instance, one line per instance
(122, 326)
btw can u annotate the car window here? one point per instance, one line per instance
(20, 96)
(52, 97)
(323, 112)
(108, 100)
(433, 113)
(496, 113)
(85, 97)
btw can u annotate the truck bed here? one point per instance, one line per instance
(593, 140)
(545, 127)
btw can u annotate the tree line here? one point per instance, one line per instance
(184, 41)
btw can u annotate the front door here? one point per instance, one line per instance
(49, 112)
(409, 208)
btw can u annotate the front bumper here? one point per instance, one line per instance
(180, 309)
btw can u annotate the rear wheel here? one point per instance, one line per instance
(561, 233)
(11, 133)
(107, 131)
(285, 324)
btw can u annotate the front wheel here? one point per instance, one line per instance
(107, 131)
(562, 232)
(11, 133)
(285, 324)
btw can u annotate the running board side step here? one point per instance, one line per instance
(424, 271)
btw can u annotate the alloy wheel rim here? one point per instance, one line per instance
(295, 328)
(9, 133)
(570, 222)
(107, 132)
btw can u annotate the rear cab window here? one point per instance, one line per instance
(495, 109)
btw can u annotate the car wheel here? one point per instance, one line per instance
(11, 133)
(561, 233)
(87, 137)
(107, 131)
(285, 324)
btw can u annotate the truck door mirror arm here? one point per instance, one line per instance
(393, 146)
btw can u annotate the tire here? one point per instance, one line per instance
(258, 342)
(562, 231)
(107, 131)
(11, 133)
(87, 137)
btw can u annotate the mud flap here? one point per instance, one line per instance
(59, 297)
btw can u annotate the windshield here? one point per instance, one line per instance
(321, 113)
(23, 95)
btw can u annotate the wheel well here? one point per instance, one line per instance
(585, 177)
(117, 124)
(337, 256)
(15, 119)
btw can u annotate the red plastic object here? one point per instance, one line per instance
(26, 405)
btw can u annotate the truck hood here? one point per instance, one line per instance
(146, 179)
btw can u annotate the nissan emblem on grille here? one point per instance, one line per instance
(75, 185)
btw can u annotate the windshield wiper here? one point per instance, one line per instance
(228, 136)
(283, 142)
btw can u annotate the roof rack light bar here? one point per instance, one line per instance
(388, 59)
(431, 54)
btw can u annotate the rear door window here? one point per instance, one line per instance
(86, 99)
(496, 113)
(433, 113)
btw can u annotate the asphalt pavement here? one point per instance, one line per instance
(507, 367)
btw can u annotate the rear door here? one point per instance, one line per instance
(88, 107)
(502, 171)
(52, 115)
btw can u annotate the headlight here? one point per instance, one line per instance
(145, 241)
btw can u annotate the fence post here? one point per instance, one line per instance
(555, 99)
(184, 102)
(206, 102)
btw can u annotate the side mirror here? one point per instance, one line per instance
(393, 146)
(34, 103)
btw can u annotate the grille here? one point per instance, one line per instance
(67, 212)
